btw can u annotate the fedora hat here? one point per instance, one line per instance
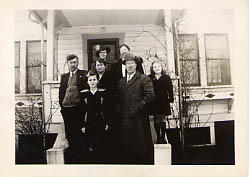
(130, 56)
(108, 50)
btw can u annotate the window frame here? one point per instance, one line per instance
(16, 67)
(218, 59)
(28, 91)
(195, 35)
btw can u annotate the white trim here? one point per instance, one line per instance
(23, 67)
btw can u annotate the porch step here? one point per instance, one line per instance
(162, 155)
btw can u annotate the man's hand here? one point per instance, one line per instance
(83, 130)
(106, 127)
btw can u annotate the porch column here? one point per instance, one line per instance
(23, 67)
(169, 42)
(50, 43)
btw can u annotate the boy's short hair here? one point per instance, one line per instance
(71, 56)
(92, 73)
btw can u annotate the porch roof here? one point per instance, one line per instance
(95, 17)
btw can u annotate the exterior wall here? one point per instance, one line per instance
(220, 107)
(138, 37)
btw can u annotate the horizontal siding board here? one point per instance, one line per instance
(207, 120)
(215, 108)
(70, 42)
(70, 47)
(69, 36)
(70, 51)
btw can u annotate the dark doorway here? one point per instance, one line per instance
(93, 45)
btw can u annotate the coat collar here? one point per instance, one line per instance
(133, 79)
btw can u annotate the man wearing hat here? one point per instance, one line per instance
(119, 68)
(133, 93)
(72, 105)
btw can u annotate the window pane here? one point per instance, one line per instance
(17, 54)
(218, 72)
(216, 46)
(34, 66)
(34, 79)
(188, 46)
(34, 53)
(17, 80)
(189, 72)
(17, 67)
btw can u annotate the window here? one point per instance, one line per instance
(217, 59)
(34, 66)
(17, 67)
(93, 45)
(189, 59)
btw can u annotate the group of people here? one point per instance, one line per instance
(106, 110)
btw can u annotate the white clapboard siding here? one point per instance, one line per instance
(69, 37)
(70, 47)
(213, 108)
(71, 40)
(70, 51)
(140, 39)
(108, 28)
(206, 119)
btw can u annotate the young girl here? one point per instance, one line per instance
(95, 121)
(160, 107)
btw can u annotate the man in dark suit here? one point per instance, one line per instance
(134, 92)
(72, 105)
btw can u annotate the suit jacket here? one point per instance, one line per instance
(116, 70)
(81, 80)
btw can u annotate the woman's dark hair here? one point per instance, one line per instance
(101, 60)
(92, 73)
(124, 45)
(102, 48)
(152, 71)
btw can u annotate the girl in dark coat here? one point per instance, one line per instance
(96, 125)
(160, 107)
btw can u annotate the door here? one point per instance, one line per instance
(94, 44)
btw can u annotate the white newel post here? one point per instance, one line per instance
(162, 154)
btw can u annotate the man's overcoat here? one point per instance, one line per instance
(133, 97)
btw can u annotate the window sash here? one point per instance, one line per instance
(34, 66)
(17, 67)
(218, 72)
(189, 59)
(189, 68)
(216, 46)
(217, 59)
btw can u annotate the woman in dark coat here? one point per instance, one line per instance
(96, 125)
(160, 107)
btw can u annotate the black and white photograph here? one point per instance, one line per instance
(125, 87)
